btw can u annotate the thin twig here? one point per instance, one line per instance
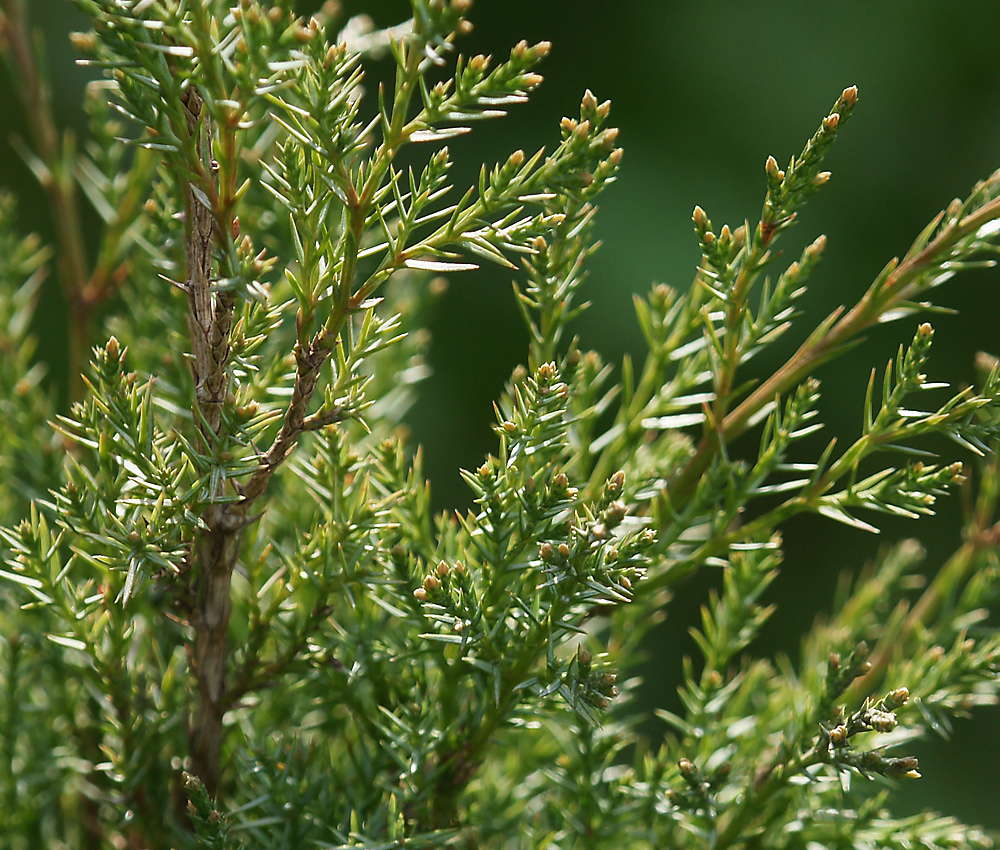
(210, 315)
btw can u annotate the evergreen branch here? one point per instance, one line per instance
(215, 553)
(232, 565)
(894, 290)
(983, 536)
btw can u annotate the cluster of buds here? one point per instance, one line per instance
(874, 761)
(662, 297)
(595, 687)
(450, 600)
(588, 148)
(530, 53)
(260, 23)
(538, 399)
(699, 786)
(613, 562)
(587, 127)
(441, 578)
(561, 487)
(480, 83)
(437, 169)
(720, 250)
(474, 70)
(786, 190)
(252, 265)
(336, 55)
(813, 152)
(602, 140)
(874, 716)
(840, 672)
(509, 81)
(871, 717)
(592, 111)
(506, 176)
(921, 483)
(549, 498)
(556, 554)
(446, 16)
(608, 519)
(547, 381)
(775, 176)
(614, 486)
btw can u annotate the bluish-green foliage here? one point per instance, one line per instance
(229, 617)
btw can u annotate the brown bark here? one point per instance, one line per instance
(216, 553)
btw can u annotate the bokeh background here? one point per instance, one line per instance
(703, 92)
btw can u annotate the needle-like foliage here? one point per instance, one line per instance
(229, 617)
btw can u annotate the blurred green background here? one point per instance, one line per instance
(703, 92)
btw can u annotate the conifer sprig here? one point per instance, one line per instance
(232, 618)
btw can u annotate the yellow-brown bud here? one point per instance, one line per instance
(85, 42)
